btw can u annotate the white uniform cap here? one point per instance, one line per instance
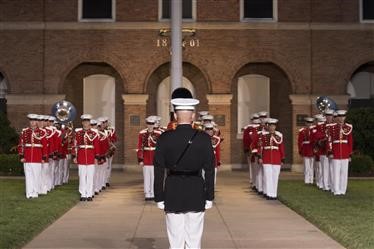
(317, 116)
(208, 126)
(99, 123)
(329, 112)
(158, 118)
(32, 116)
(93, 122)
(255, 116)
(86, 116)
(263, 114)
(45, 117)
(321, 119)
(207, 117)
(39, 117)
(335, 114)
(341, 112)
(151, 119)
(309, 119)
(102, 119)
(51, 118)
(203, 113)
(272, 121)
(256, 121)
(184, 104)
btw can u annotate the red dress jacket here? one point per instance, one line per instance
(216, 143)
(50, 130)
(320, 139)
(342, 141)
(104, 141)
(32, 145)
(147, 145)
(86, 146)
(304, 141)
(272, 148)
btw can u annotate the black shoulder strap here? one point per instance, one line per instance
(185, 149)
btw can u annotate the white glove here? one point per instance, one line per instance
(161, 205)
(208, 204)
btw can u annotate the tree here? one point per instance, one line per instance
(8, 135)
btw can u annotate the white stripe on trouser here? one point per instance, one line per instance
(308, 169)
(32, 179)
(250, 169)
(271, 174)
(331, 174)
(65, 177)
(108, 170)
(259, 177)
(44, 178)
(56, 172)
(324, 160)
(61, 163)
(51, 173)
(86, 175)
(340, 176)
(148, 175)
(185, 229)
(215, 176)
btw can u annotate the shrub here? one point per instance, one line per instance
(362, 120)
(10, 165)
(361, 165)
(9, 136)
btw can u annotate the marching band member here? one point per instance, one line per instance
(216, 142)
(32, 149)
(342, 144)
(261, 186)
(305, 147)
(272, 156)
(112, 148)
(86, 152)
(329, 125)
(146, 148)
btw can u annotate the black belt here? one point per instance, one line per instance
(184, 173)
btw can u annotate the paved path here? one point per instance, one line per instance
(120, 218)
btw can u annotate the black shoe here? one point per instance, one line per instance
(96, 193)
(89, 199)
(83, 199)
(268, 197)
(107, 184)
(259, 193)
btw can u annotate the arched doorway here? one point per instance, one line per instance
(360, 88)
(158, 85)
(256, 87)
(3, 92)
(97, 88)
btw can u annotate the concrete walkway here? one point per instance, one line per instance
(119, 218)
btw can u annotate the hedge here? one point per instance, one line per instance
(10, 165)
(361, 165)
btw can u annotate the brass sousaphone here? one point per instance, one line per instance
(64, 111)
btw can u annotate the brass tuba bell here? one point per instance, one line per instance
(64, 111)
(324, 103)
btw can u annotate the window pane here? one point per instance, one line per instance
(368, 9)
(97, 9)
(258, 8)
(186, 9)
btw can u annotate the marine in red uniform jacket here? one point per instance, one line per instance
(32, 146)
(104, 141)
(304, 141)
(86, 146)
(320, 139)
(147, 145)
(341, 140)
(272, 148)
(50, 136)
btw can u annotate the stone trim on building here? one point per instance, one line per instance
(33, 99)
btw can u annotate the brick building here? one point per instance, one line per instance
(239, 56)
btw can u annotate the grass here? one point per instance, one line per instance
(348, 219)
(22, 219)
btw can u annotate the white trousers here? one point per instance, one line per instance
(103, 170)
(271, 174)
(250, 170)
(254, 173)
(185, 230)
(97, 178)
(108, 170)
(51, 171)
(318, 173)
(86, 177)
(324, 160)
(340, 176)
(148, 175)
(259, 177)
(65, 176)
(56, 173)
(308, 170)
(331, 175)
(60, 174)
(32, 179)
(44, 180)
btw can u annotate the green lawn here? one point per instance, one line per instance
(22, 219)
(348, 219)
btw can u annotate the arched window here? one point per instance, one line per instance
(253, 96)
(163, 98)
(361, 86)
(99, 96)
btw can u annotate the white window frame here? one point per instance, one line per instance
(193, 19)
(274, 19)
(81, 19)
(362, 20)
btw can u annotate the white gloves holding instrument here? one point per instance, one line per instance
(161, 205)
(208, 204)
